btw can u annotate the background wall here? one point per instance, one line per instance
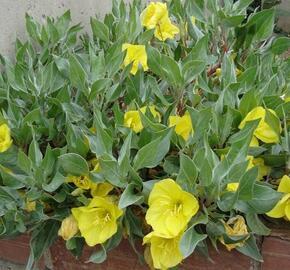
(12, 15)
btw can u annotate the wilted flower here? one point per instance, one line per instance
(5, 138)
(132, 119)
(183, 125)
(263, 132)
(97, 222)
(282, 208)
(137, 55)
(68, 228)
(235, 226)
(170, 208)
(165, 252)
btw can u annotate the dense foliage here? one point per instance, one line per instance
(169, 124)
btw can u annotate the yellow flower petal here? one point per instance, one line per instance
(165, 30)
(165, 252)
(101, 189)
(279, 210)
(170, 208)
(232, 187)
(263, 170)
(97, 222)
(5, 138)
(254, 142)
(69, 228)
(263, 132)
(137, 55)
(132, 119)
(284, 185)
(154, 13)
(183, 125)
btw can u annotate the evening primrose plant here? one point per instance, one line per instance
(167, 126)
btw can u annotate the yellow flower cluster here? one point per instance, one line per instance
(170, 210)
(235, 226)
(155, 16)
(282, 209)
(5, 138)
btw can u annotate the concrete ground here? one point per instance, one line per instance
(10, 266)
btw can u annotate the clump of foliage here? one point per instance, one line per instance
(169, 124)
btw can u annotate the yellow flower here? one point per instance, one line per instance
(101, 189)
(83, 181)
(193, 20)
(5, 138)
(233, 187)
(30, 206)
(282, 209)
(263, 170)
(235, 226)
(156, 16)
(95, 165)
(153, 14)
(97, 222)
(132, 119)
(165, 30)
(137, 55)
(183, 125)
(218, 72)
(165, 252)
(263, 132)
(254, 142)
(68, 228)
(170, 208)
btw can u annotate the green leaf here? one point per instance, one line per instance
(55, 183)
(74, 164)
(188, 173)
(24, 162)
(273, 121)
(98, 256)
(129, 197)
(98, 86)
(151, 154)
(189, 241)
(77, 74)
(264, 198)
(246, 186)
(251, 249)
(280, 45)
(34, 153)
(256, 225)
(100, 30)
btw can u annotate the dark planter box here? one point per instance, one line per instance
(275, 249)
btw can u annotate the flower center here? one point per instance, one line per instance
(177, 208)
